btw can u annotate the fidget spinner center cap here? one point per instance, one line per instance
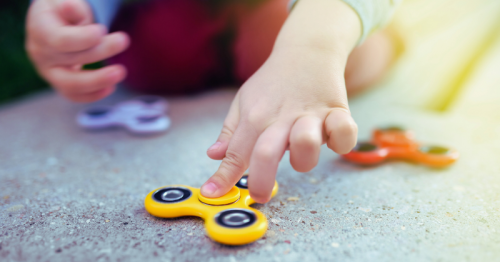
(230, 197)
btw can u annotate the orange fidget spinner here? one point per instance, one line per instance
(397, 143)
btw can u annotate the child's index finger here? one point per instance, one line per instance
(234, 164)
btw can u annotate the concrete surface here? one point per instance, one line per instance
(71, 195)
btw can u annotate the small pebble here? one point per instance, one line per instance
(293, 199)
(335, 244)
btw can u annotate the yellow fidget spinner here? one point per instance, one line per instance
(229, 219)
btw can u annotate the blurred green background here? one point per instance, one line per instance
(17, 76)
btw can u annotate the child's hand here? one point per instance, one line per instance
(297, 99)
(61, 38)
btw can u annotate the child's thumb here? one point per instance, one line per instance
(75, 12)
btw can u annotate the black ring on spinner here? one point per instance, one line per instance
(160, 196)
(365, 147)
(434, 150)
(235, 218)
(243, 184)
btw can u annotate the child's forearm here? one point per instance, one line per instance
(329, 26)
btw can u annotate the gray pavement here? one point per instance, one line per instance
(71, 195)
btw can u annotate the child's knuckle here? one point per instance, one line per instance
(233, 160)
(257, 117)
(226, 131)
(222, 179)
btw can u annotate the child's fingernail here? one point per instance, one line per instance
(215, 146)
(208, 189)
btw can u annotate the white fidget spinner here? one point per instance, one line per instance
(142, 115)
